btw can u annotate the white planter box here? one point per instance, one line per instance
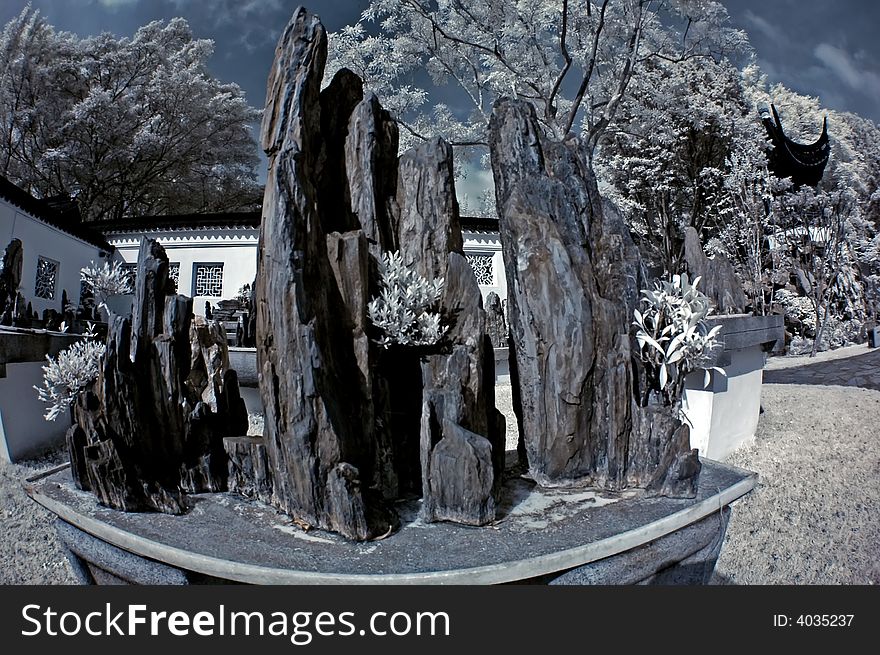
(724, 414)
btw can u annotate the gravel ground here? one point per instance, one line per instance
(813, 517)
(29, 549)
(811, 520)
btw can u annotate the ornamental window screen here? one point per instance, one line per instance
(174, 273)
(482, 267)
(47, 277)
(208, 280)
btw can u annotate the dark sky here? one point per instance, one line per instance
(816, 47)
(244, 31)
(825, 48)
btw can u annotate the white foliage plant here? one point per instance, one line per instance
(673, 336)
(406, 308)
(108, 279)
(68, 374)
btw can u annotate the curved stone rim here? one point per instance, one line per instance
(496, 573)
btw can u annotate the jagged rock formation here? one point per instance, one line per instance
(574, 275)
(349, 425)
(10, 280)
(719, 278)
(497, 324)
(249, 471)
(152, 428)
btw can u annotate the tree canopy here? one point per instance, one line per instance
(573, 59)
(670, 121)
(126, 126)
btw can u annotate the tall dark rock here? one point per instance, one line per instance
(496, 322)
(344, 433)
(152, 428)
(719, 280)
(10, 280)
(573, 275)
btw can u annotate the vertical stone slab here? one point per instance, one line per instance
(458, 394)
(371, 171)
(573, 277)
(309, 375)
(250, 473)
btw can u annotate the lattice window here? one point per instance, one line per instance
(482, 267)
(208, 280)
(47, 276)
(131, 270)
(174, 273)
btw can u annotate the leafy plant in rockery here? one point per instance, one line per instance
(406, 308)
(108, 279)
(71, 372)
(243, 295)
(673, 337)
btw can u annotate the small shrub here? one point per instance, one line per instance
(673, 336)
(71, 372)
(109, 279)
(243, 295)
(406, 308)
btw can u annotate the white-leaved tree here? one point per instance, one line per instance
(573, 59)
(126, 126)
(665, 159)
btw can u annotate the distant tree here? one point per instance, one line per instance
(813, 225)
(665, 159)
(126, 126)
(741, 224)
(573, 59)
(848, 197)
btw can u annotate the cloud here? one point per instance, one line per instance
(845, 68)
(116, 4)
(763, 26)
(230, 12)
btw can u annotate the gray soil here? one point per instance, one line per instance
(811, 520)
(813, 517)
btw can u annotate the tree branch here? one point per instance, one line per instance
(588, 74)
(549, 109)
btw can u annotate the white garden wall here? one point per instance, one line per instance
(23, 431)
(487, 245)
(40, 239)
(235, 248)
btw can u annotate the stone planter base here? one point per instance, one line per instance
(563, 537)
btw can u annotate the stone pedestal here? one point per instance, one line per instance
(541, 537)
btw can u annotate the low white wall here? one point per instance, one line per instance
(235, 248)
(23, 430)
(502, 365)
(489, 244)
(729, 407)
(39, 239)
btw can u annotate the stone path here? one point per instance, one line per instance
(855, 366)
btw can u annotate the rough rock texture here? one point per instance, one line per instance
(165, 397)
(249, 472)
(719, 278)
(496, 323)
(10, 280)
(343, 422)
(573, 275)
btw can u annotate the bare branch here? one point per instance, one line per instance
(588, 74)
(454, 144)
(598, 128)
(549, 109)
